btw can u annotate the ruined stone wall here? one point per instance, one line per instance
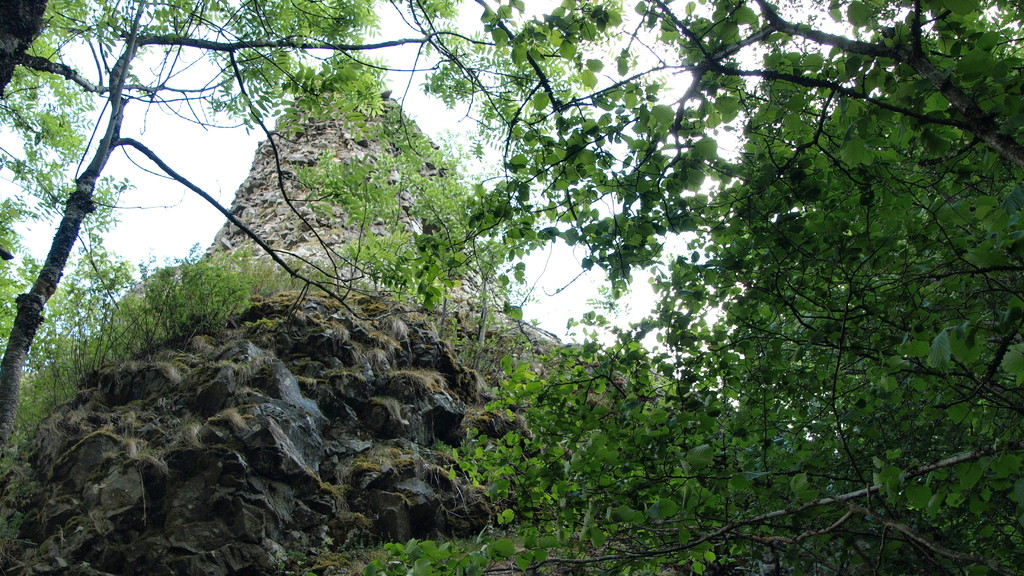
(276, 206)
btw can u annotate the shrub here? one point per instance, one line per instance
(102, 315)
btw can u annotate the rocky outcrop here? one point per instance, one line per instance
(301, 222)
(314, 234)
(311, 422)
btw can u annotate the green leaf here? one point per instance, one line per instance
(1018, 492)
(1013, 360)
(961, 7)
(934, 142)
(623, 513)
(915, 348)
(728, 107)
(964, 346)
(969, 474)
(700, 456)
(975, 63)
(985, 255)
(1014, 201)
(595, 65)
(548, 541)
(541, 100)
(421, 567)
(588, 78)
(745, 15)
(855, 152)
(503, 548)
(813, 61)
(740, 482)
(663, 508)
(663, 115)
(957, 412)
(939, 352)
(859, 14)
(506, 516)
(798, 483)
(919, 495)
(622, 64)
(706, 147)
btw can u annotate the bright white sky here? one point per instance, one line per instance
(160, 219)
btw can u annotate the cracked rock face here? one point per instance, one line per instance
(275, 205)
(305, 425)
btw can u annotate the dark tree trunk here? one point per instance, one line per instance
(77, 207)
(31, 304)
(20, 23)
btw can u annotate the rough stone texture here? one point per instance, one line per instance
(306, 424)
(275, 205)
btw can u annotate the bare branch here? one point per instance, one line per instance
(44, 65)
(935, 546)
(293, 44)
(227, 214)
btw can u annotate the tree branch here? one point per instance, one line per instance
(542, 77)
(79, 205)
(834, 40)
(976, 120)
(935, 546)
(762, 518)
(227, 214)
(811, 82)
(293, 44)
(44, 65)
(279, 171)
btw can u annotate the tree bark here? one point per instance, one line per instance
(20, 23)
(31, 304)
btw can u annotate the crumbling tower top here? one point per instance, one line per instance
(281, 202)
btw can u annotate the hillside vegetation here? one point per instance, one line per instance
(825, 197)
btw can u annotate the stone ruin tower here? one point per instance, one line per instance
(280, 205)
(310, 233)
(309, 425)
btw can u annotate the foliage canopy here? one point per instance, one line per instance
(837, 377)
(837, 381)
